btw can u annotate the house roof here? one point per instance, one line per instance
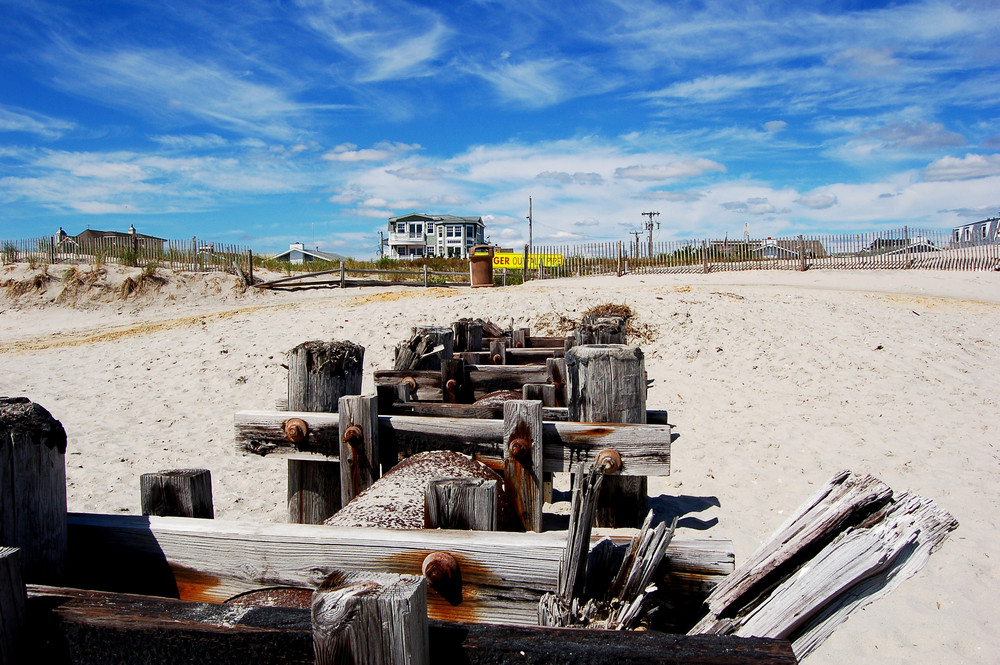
(424, 217)
(96, 233)
(315, 253)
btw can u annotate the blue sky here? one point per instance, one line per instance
(263, 123)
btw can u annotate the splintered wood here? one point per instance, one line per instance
(853, 542)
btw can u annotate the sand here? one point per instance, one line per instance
(773, 380)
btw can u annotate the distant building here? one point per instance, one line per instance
(298, 254)
(92, 238)
(983, 232)
(417, 235)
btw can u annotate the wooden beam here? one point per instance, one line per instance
(503, 574)
(481, 379)
(522, 459)
(95, 627)
(645, 449)
(443, 409)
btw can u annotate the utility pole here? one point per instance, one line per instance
(530, 246)
(636, 234)
(381, 244)
(648, 226)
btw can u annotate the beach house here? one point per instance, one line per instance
(984, 232)
(297, 254)
(417, 235)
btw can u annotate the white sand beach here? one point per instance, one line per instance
(773, 381)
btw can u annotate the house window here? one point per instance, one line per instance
(430, 228)
(966, 232)
(454, 231)
(984, 232)
(958, 235)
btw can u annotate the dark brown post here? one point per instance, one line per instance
(704, 257)
(556, 370)
(177, 493)
(519, 338)
(522, 439)
(343, 276)
(461, 503)
(250, 266)
(453, 384)
(498, 352)
(33, 488)
(370, 618)
(607, 384)
(802, 254)
(359, 454)
(13, 599)
(468, 335)
(319, 374)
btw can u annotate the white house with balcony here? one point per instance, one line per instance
(416, 235)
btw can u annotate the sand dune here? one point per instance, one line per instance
(773, 380)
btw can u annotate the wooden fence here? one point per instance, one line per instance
(896, 249)
(194, 254)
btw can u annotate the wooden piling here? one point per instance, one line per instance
(375, 619)
(33, 488)
(177, 493)
(319, 374)
(607, 384)
(359, 453)
(522, 437)
(461, 503)
(454, 388)
(13, 599)
(468, 335)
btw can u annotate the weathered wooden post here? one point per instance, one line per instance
(13, 599)
(522, 439)
(802, 254)
(370, 618)
(519, 337)
(343, 276)
(33, 488)
(461, 503)
(607, 384)
(425, 276)
(704, 256)
(177, 493)
(601, 330)
(319, 374)
(359, 453)
(468, 335)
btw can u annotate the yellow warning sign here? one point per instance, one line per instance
(515, 261)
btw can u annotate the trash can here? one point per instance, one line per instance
(481, 265)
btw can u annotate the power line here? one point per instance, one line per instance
(648, 226)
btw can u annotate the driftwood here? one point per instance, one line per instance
(96, 628)
(854, 541)
(620, 604)
(425, 349)
(644, 449)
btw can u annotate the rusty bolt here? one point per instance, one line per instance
(451, 385)
(609, 461)
(520, 449)
(518, 345)
(353, 436)
(498, 359)
(296, 430)
(411, 382)
(440, 568)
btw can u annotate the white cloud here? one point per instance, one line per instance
(817, 200)
(679, 169)
(380, 152)
(963, 168)
(775, 126)
(751, 206)
(418, 173)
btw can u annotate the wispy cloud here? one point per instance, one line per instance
(21, 120)
(673, 170)
(386, 40)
